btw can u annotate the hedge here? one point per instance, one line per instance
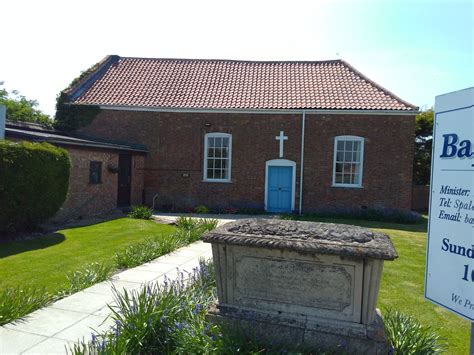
(34, 180)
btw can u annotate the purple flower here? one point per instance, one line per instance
(197, 308)
(102, 345)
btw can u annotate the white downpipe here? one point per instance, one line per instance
(303, 119)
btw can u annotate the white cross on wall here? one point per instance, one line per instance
(281, 138)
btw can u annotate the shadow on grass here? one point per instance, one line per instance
(21, 246)
(87, 222)
(416, 227)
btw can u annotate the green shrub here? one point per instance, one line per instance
(71, 117)
(189, 230)
(171, 319)
(18, 302)
(201, 209)
(251, 210)
(380, 214)
(288, 217)
(185, 223)
(407, 335)
(140, 212)
(168, 319)
(34, 180)
(189, 223)
(149, 249)
(87, 276)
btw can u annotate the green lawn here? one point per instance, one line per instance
(45, 261)
(403, 282)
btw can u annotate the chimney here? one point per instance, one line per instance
(3, 115)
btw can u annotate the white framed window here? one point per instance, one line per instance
(217, 157)
(348, 161)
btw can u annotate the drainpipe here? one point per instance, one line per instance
(303, 119)
(3, 114)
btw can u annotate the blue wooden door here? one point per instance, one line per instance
(279, 188)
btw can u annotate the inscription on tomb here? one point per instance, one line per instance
(289, 281)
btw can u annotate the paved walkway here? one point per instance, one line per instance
(164, 217)
(51, 330)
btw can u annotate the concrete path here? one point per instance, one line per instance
(164, 217)
(51, 330)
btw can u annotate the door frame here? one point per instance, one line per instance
(281, 162)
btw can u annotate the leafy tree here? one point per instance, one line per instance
(71, 117)
(423, 144)
(19, 108)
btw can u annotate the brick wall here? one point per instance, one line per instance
(85, 199)
(388, 161)
(175, 142)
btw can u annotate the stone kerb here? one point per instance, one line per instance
(316, 282)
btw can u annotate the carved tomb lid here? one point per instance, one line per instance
(308, 237)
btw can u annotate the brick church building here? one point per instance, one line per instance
(227, 134)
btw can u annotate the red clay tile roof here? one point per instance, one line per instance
(232, 84)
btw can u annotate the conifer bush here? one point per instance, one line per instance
(34, 180)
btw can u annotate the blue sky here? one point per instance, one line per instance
(416, 49)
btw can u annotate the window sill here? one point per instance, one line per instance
(218, 181)
(348, 186)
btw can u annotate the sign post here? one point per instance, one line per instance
(449, 279)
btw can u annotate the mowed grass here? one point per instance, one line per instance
(45, 261)
(403, 288)
(402, 285)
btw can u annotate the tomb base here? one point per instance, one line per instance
(309, 333)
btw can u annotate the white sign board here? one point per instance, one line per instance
(450, 253)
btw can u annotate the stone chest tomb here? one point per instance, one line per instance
(314, 284)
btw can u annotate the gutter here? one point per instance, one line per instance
(64, 142)
(256, 111)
